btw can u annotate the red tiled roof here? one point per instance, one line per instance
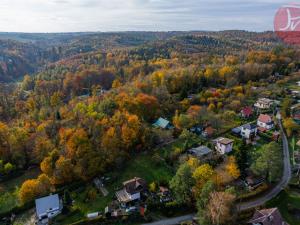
(247, 111)
(264, 118)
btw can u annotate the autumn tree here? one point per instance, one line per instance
(220, 207)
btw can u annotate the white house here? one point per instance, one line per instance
(265, 122)
(132, 190)
(223, 145)
(264, 103)
(249, 131)
(47, 208)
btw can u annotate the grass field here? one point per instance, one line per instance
(9, 190)
(141, 166)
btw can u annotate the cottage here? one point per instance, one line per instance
(253, 182)
(201, 152)
(162, 123)
(265, 122)
(208, 132)
(264, 103)
(223, 145)
(47, 208)
(247, 112)
(132, 190)
(249, 131)
(267, 217)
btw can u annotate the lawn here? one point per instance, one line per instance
(285, 201)
(9, 190)
(141, 166)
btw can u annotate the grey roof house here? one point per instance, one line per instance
(200, 152)
(47, 208)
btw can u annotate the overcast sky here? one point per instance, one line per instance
(124, 15)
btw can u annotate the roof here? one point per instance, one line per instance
(135, 185)
(224, 141)
(268, 217)
(161, 122)
(264, 118)
(247, 111)
(265, 101)
(209, 130)
(123, 196)
(43, 205)
(200, 151)
(249, 126)
(236, 130)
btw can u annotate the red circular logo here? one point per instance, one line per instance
(287, 23)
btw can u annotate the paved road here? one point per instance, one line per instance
(254, 203)
(283, 182)
(173, 221)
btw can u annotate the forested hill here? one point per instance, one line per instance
(28, 53)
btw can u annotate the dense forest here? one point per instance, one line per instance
(85, 103)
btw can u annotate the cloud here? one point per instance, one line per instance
(114, 15)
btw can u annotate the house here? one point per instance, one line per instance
(298, 83)
(253, 182)
(164, 195)
(265, 122)
(132, 190)
(223, 145)
(208, 132)
(47, 208)
(247, 112)
(249, 131)
(200, 152)
(196, 129)
(264, 103)
(162, 123)
(236, 131)
(267, 217)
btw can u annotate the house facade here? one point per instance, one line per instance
(132, 190)
(223, 145)
(249, 131)
(47, 208)
(264, 103)
(265, 122)
(267, 217)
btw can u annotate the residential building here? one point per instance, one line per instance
(267, 217)
(298, 83)
(162, 123)
(201, 152)
(249, 131)
(208, 132)
(223, 145)
(132, 190)
(265, 122)
(247, 112)
(47, 208)
(264, 103)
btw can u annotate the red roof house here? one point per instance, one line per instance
(247, 112)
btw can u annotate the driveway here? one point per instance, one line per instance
(283, 182)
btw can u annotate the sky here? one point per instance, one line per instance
(136, 15)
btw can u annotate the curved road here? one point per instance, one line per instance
(283, 182)
(256, 202)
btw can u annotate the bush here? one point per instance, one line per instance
(259, 190)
